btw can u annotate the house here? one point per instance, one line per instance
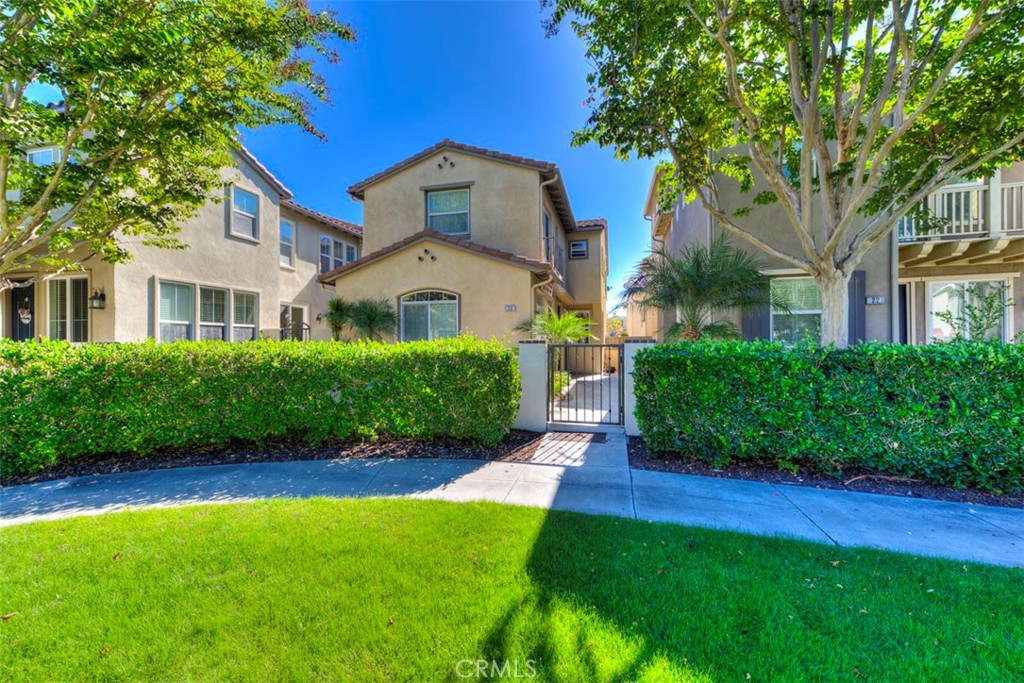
(903, 285)
(251, 268)
(467, 239)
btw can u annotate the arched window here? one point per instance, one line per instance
(429, 315)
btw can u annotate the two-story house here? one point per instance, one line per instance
(902, 286)
(251, 268)
(466, 239)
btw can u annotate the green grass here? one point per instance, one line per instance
(376, 590)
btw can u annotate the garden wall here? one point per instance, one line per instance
(944, 413)
(60, 401)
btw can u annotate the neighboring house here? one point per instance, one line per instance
(251, 268)
(466, 239)
(900, 286)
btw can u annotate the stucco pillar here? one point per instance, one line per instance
(533, 404)
(631, 347)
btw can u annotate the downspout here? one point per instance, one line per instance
(549, 277)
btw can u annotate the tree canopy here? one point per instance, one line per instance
(152, 95)
(847, 113)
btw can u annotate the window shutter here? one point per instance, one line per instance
(757, 323)
(858, 292)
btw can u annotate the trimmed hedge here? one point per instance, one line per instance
(59, 401)
(946, 414)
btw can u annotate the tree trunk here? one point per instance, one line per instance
(835, 308)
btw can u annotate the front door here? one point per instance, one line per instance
(23, 312)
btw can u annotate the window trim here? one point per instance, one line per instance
(402, 304)
(255, 317)
(67, 306)
(771, 309)
(229, 315)
(255, 238)
(334, 241)
(469, 210)
(195, 310)
(968, 280)
(292, 245)
(53, 149)
(546, 236)
(225, 334)
(586, 250)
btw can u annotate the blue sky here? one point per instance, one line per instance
(477, 72)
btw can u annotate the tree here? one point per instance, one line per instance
(849, 112)
(699, 285)
(373, 319)
(556, 329)
(153, 96)
(614, 325)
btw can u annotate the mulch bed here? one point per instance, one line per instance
(517, 446)
(863, 481)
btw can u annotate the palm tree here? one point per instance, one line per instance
(700, 284)
(373, 319)
(556, 329)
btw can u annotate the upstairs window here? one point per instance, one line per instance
(448, 212)
(579, 249)
(244, 213)
(350, 253)
(287, 244)
(334, 253)
(43, 157)
(547, 237)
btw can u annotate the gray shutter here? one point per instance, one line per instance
(858, 306)
(757, 323)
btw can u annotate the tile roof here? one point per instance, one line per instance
(592, 224)
(345, 226)
(430, 235)
(547, 170)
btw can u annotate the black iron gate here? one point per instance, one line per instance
(584, 385)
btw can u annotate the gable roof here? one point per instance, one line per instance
(262, 171)
(548, 171)
(431, 236)
(345, 226)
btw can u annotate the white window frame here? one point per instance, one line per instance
(195, 310)
(771, 309)
(55, 153)
(67, 307)
(967, 280)
(255, 317)
(586, 250)
(225, 331)
(468, 211)
(402, 305)
(290, 265)
(255, 217)
(546, 236)
(335, 262)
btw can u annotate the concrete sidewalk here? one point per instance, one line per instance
(567, 473)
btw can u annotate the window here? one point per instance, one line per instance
(244, 316)
(547, 237)
(579, 249)
(429, 315)
(43, 157)
(244, 213)
(287, 243)
(176, 311)
(293, 319)
(802, 321)
(69, 309)
(334, 253)
(952, 301)
(213, 312)
(448, 212)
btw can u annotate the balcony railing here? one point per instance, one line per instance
(965, 212)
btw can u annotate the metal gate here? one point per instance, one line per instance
(584, 386)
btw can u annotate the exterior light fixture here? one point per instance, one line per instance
(98, 299)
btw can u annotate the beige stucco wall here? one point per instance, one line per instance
(485, 286)
(587, 277)
(504, 203)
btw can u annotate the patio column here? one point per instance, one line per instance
(630, 349)
(533, 403)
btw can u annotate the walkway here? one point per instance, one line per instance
(590, 398)
(569, 472)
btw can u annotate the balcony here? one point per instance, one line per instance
(965, 226)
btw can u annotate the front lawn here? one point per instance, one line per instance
(375, 590)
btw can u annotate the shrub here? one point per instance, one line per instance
(950, 414)
(59, 401)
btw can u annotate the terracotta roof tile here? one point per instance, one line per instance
(592, 224)
(345, 226)
(430, 235)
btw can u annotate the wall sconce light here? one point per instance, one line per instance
(320, 317)
(98, 299)
(25, 312)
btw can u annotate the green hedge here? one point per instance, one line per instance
(947, 414)
(59, 401)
